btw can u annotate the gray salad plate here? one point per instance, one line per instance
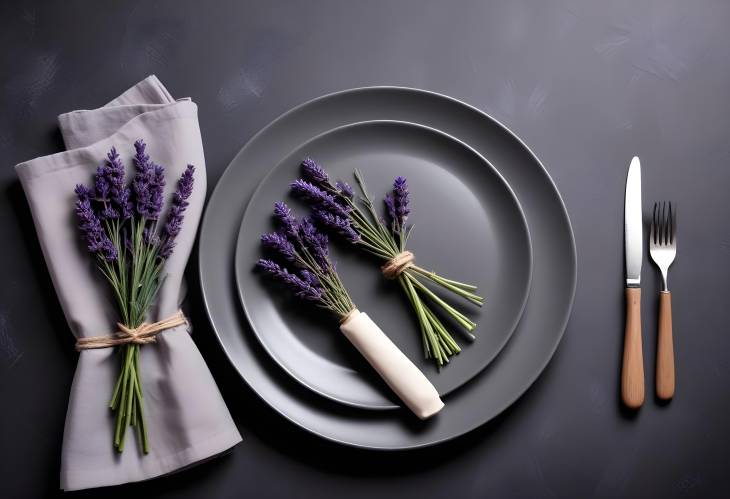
(504, 380)
(468, 226)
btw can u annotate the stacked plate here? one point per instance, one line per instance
(485, 211)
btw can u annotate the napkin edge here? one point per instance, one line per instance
(193, 455)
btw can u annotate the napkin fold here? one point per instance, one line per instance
(187, 418)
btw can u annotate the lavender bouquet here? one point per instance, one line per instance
(300, 244)
(336, 208)
(119, 224)
(302, 264)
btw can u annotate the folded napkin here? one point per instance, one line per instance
(187, 419)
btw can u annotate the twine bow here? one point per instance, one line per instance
(141, 335)
(397, 265)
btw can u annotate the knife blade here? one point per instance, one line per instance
(632, 374)
(633, 238)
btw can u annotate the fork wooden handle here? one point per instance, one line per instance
(665, 349)
(632, 373)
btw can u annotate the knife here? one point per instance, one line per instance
(632, 374)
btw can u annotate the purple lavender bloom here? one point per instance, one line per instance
(102, 193)
(278, 243)
(310, 278)
(83, 193)
(268, 266)
(300, 287)
(140, 184)
(283, 216)
(148, 184)
(317, 197)
(157, 189)
(177, 211)
(97, 240)
(345, 189)
(101, 184)
(118, 192)
(339, 225)
(314, 173)
(315, 242)
(401, 200)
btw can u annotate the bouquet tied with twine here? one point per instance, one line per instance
(336, 208)
(302, 264)
(119, 224)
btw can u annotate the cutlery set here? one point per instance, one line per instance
(662, 249)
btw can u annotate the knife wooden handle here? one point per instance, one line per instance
(632, 373)
(665, 349)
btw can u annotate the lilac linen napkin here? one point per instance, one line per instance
(187, 419)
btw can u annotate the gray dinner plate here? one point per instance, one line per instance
(496, 387)
(467, 224)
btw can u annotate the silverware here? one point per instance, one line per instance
(632, 373)
(663, 249)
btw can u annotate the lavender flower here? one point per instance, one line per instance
(339, 225)
(177, 212)
(315, 242)
(396, 203)
(316, 196)
(157, 189)
(97, 240)
(101, 184)
(315, 279)
(310, 278)
(401, 200)
(300, 287)
(315, 173)
(283, 216)
(278, 243)
(118, 192)
(269, 266)
(148, 184)
(83, 193)
(345, 189)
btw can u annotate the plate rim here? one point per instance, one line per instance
(545, 174)
(485, 162)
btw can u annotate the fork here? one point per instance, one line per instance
(663, 249)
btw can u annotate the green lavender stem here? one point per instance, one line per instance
(453, 286)
(134, 289)
(462, 319)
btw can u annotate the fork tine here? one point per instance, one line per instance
(663, 230)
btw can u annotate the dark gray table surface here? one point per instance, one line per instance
(586, 84)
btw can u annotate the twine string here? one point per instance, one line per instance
(398, 264)
(141, 335)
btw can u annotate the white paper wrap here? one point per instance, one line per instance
(403, 377)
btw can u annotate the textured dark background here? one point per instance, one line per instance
(586, 84)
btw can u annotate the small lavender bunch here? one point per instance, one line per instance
(303, 266)
(311, 275)
(336, 208)
(119, 224)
